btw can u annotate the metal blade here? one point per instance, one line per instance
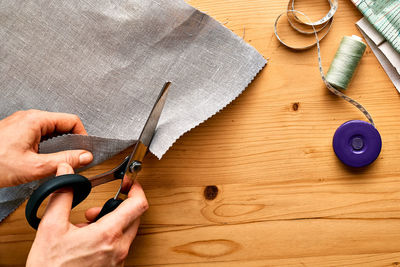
(149, 128)
(141, 146)
(143, 143)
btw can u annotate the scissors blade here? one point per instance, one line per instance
(146, 136)
(141, 146)
(149, 128)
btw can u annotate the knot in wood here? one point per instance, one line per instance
(210, 192)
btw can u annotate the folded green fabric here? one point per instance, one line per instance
(384, 15)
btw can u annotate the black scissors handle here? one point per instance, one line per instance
(81, 188)
(108, 207)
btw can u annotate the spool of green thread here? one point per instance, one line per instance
(345, 62)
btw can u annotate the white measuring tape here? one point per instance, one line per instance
(322, 23)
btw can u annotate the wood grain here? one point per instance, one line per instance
(258, 184)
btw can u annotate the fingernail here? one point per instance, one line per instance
(85, 158)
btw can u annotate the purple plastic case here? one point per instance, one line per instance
(357, 143)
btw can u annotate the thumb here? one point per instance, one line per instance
(74, 158)
(59, 206)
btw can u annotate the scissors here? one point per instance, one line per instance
(82, 186)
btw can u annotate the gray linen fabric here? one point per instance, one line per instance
(106, 61)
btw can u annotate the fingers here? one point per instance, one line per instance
(130, 233)
(60, 122)
(126, 185)
(136, 191)
(129, 210)
(59, 206)
(50, 122)
(49, 162)
(92, 213)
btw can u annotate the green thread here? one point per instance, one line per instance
(345, 62)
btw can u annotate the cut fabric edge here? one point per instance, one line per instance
(23, 191)
(262, 63)
(166, 148)
(16, 203)
(91, 142)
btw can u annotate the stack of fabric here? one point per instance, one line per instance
(381, 29)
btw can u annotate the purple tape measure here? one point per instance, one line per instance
(357, 143)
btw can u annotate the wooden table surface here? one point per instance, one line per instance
(259, 184)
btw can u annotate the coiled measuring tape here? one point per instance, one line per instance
(356, 143)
